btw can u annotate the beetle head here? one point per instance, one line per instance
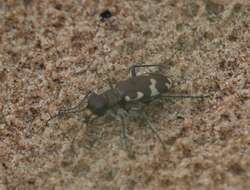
(97, 104)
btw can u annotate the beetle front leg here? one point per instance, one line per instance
(111, 85)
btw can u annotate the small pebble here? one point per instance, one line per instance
(105, 15)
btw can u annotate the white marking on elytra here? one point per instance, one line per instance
(127, 98)
(168, 85)
(139, 96)
(153, 88)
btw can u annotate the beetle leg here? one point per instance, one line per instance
(153, 129)
(110, 84)
(186, 96)
(133, 67)
(124, 133)
(120, 115)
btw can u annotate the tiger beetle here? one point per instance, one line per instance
(137, 88)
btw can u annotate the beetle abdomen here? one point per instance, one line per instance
(143, 87)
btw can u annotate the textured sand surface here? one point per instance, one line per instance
(53, 52)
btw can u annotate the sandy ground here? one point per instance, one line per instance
(53, 52)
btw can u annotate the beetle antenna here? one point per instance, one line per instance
(75, 109)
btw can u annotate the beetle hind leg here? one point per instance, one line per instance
(132, 69)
